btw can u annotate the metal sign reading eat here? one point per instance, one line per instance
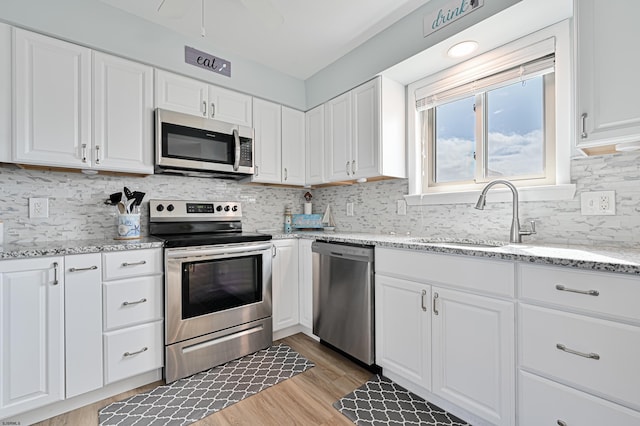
(449, 13)
(208, 62)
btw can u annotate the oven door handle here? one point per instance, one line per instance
(217, 251)
(236, 140)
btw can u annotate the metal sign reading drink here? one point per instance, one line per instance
(450, 12)
(208, 62)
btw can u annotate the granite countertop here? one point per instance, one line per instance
(611, 259)
(62, 248)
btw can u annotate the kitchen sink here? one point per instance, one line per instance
(464, 242)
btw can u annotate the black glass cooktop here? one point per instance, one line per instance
(206, 239)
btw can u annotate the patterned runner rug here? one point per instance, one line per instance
(187, 400)
(382, 402)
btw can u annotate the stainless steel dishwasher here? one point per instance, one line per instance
(343, 290)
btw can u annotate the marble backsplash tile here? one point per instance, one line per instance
(77, 210)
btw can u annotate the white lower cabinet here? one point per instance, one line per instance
(83, 323)
(31, 334)
(285, 284)
(305, 280)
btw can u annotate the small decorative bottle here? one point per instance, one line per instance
(287, 220)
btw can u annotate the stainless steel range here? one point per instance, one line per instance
(217, 284)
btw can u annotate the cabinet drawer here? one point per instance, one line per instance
(614, 375)
(543, 402)
(487, 276)
(131, 263)
(132, 301)
(132, 351)
(603, 293)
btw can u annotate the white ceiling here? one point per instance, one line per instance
(310, 36)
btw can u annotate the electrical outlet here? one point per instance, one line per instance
(38, 208)
(349, 209)
(598, 203)
(401, 207)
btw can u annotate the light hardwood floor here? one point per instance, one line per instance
(305, 399)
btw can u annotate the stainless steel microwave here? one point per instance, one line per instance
(202, 147)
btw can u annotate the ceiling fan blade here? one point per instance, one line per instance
(174, 9)
(265, 11)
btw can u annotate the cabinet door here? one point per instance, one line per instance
(293, 162)
(31, 334)
(314, 130)
(473, 354)
(366, 130)
(305, 287)
(267, 128)
(338, 154)
(285, 284)
(403, 328)
(52, 102)
(5, 93)
(182, 94)
(608, 109)
(230, 106)
(122, 115)
(83, 323)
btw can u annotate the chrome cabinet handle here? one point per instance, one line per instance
(353, 167)
(348, 167)
(561, 423)
(136, 352)
(435, 298)
(257, 170)
(134, 303)
(84, 153)
(97, 154)
(142, 262)
(90, 268)
(204, 108)
(274, 251)
(589, 355)
(286, 174)
(236, 153)
(573, 290)
(424, 296)
(213, 110)
(583, 119)
(56, 281)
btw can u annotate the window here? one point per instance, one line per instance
(498, 126)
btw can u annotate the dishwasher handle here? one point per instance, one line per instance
(343, 251)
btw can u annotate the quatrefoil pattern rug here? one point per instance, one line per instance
(187, 400)
(380, 402)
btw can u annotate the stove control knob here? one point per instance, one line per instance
(219, 208)
(234, 209)
(170, 208)
(226, 208)
(160, 207)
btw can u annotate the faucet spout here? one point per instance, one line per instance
(515, 235)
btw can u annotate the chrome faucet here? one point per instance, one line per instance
(515, 236)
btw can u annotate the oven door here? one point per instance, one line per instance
(211, 288)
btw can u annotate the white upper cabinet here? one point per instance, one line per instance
(52, 106)
(365, 132)
(122, 115)
(5, 93)
(61, 120)
(267, 117)
(189, 96)
(314, 131)
(607, 108)
(293, 147)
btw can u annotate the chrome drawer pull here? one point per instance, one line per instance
(142, 262)
(561, 423)
(137, 352)
(424, 306)
(572, 290)
(590, 355)
(435, 298)
(134, 303)
(90, 268)
(56, 281)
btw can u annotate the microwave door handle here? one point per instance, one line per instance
(236, 139)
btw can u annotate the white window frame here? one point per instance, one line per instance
(481, 66)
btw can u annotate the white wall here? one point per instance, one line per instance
(97, 25)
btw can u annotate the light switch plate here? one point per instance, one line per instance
(401, 207)
(349, 209)
(38, 208)
(598, 203)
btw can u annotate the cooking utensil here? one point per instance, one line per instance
(129, 205)
(121, 207)
(138, 196)
(128, 193)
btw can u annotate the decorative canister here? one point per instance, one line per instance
(287, 220)
(128, 226)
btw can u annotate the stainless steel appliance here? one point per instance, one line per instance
(204, 147)
(217, 284)
(343, 314)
